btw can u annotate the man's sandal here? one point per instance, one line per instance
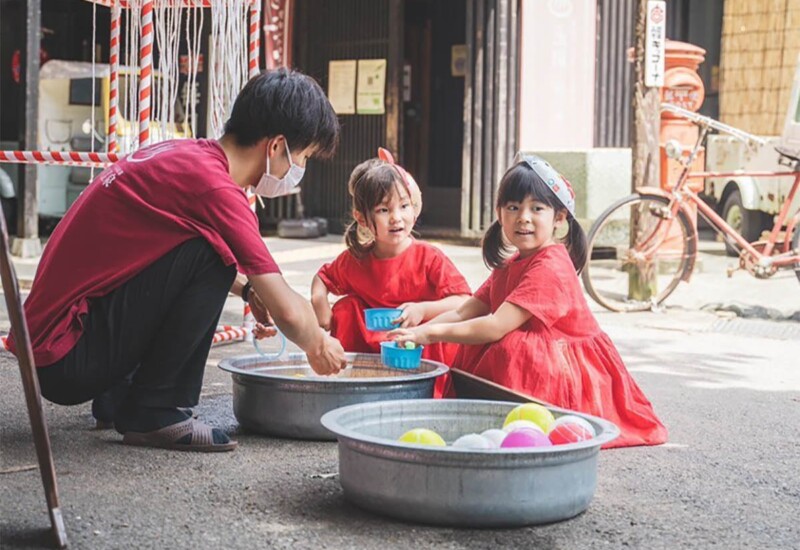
(202, 440)
(109, 424)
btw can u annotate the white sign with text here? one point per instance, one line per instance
(656, 30)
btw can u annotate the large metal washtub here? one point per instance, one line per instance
(460, 487)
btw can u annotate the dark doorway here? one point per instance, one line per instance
(433, 101)
(700, 23)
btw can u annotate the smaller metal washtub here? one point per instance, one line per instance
(284, 397)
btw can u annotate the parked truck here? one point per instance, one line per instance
(749, 204)
(66, 101)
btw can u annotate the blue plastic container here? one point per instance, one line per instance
(400, 358)
(381, 318)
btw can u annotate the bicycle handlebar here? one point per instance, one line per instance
(702, 120)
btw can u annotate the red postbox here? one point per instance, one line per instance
(682, 87)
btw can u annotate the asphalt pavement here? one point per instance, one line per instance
(727, 387)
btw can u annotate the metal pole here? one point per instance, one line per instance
(466, 152)
(28, 208)
(646, 112)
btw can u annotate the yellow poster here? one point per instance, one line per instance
(458, 60)
(342, 86)
(370, 99)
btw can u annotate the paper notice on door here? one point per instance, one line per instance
(342, 86)
(370, 99)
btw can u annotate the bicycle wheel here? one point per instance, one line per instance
(635, 272)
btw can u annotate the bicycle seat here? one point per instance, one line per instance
(788, 153)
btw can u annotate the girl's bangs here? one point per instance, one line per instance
(521, 182)
(386, 182)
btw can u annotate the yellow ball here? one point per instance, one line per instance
(421, 436)
(534, 413)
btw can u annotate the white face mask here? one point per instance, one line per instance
(270, 186)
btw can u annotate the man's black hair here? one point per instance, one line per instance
(285, 102)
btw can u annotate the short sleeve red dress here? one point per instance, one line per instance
(560, 355)
(421, 273)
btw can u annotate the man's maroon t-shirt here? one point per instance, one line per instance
(132, 214)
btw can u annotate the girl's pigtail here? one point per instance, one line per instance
(576, 244)
(494, 248)
(355, 241)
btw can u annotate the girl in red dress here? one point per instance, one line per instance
(384, 266)
(529, 327)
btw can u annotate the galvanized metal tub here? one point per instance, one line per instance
(460, 487)
(285, 398)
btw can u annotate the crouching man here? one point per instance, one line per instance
(133, 280)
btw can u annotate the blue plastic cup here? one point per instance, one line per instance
(381, 318)
(399, 357)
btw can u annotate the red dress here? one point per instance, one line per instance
(560, 355)
(421, 273)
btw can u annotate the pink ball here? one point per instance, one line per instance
(569, 432)
(525, 437)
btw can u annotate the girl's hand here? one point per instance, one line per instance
(418, 335)
(413, 314)
(322, 309)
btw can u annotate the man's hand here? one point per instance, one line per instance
(295, 318)
(265, 326)
(330, 359)
(264, 331)
(413, 314)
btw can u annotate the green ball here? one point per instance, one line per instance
(410, 345)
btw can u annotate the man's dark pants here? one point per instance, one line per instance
(153, 332)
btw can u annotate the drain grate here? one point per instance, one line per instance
(779, 330)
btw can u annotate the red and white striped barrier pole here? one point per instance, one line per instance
(171, 3)
(254, 44)
(67, 158)
(232, 334)
(146, 72)
(113, 78)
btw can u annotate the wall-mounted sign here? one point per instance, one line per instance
(458, 60)
(342, 86)
(371, 87)
(654, 43)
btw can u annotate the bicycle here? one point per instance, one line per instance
(645, 244)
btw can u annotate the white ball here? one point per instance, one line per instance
(473, 441)
(572, 419)
(511, 426)
(495, 436)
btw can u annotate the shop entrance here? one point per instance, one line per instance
(449, 108)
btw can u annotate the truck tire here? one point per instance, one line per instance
(749, 223)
